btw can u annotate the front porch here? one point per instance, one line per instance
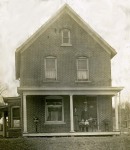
(37, 103)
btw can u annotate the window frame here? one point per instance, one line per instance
(12, 120)
(51, 79)
(54, 98)
(87, 69)
(69, 37)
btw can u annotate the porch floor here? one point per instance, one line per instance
(70, 134)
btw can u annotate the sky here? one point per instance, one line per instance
(19, 19)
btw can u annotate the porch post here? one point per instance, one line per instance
(116, 114)
(71, 114)
(98, 122)
(24, 114)
(4, 125)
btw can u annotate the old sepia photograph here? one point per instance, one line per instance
(64, 75)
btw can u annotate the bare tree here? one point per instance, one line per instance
(125, 114)
(3, 90)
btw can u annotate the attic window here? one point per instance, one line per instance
(66, 37)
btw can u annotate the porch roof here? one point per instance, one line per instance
(3, 108)
(11, 99)
(70, 91)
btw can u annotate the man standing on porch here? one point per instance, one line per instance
(85, 117)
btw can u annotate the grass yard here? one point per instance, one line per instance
(66, 143)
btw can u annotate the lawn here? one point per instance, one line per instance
(66, 143)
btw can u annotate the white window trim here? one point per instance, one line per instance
(54, 122)
(87, 69)
(51, 57)
(12, 126)
(69, 43)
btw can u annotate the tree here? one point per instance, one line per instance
(125, 114)
(3, 90)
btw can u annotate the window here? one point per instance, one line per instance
(15, 116)
(66, 37)
(82, 69)
(54, 109)
(51, 68)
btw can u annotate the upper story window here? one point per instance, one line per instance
(54, 109)
(51, 68)
(15, 117)
(82, 69)
(66, 37)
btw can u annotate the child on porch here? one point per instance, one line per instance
(85, 117)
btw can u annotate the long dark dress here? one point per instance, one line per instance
(76, 121)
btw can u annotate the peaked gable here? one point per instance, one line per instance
(68, 10)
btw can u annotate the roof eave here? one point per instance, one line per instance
(11, 99)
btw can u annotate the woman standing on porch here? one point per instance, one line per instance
(76, 120)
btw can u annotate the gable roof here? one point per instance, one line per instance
(11, 99)
(64, 9)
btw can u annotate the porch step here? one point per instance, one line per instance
(70, 134)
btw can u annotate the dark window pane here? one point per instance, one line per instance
(54, 100)
(82, 64)
(65, 40)
(16, 113)
(66, 33)
(50, 64)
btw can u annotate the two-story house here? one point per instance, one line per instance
(65, 68)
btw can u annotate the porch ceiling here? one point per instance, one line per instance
(70, 91)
